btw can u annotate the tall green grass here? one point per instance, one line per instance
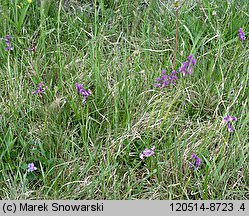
(117, 49)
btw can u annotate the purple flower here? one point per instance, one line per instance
(9, 48)
(165, 80)
(7, 42)
(190, 57)
(147, 153)
(78, 87)
(193, 61)
(230, 128)
(40, 89)
(241, 35)
(7, 38)
(187, 66)
(229, 119)
(196, 161)
(31, 167)
(82, 91)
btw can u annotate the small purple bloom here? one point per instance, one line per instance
(164, 77)
(174, 72)
(190, 70)
(230, 128)
(229, 119)
(141, 155)
(7, 38)
(184, 66)
(9, 48)
(85, 93)
(187, 66)
(193, 61)
(40, 89)
(241, 35)
(31, 167)
(7, 42)
(147, 152)
(163, 71)
(196, 161)
(190, 57)
(82, 91)
(165, 80)
(78, 87)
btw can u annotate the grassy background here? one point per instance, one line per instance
(117, 49)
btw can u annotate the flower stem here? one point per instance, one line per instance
(177, 32)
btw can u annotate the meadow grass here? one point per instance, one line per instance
(116, 49)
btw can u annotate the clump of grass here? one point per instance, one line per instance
(84, 143)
